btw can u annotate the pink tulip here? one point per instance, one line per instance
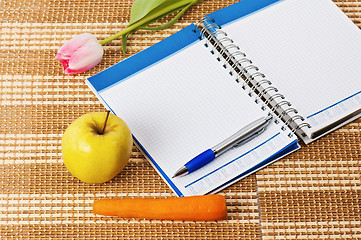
(80, 53)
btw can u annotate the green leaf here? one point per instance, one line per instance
(124, 42)
(158, 12)
(145, 12)
(140, 8)
(171, 22)
(145, 26)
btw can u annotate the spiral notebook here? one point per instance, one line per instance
(296, 60)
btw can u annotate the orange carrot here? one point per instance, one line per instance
(196, 208)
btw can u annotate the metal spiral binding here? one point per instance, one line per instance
(265, 91)
(207, 24)
(292, 119)
(300, 126)
(289, 110)
(251, 76)
(258, 74)
(218, 32)
(280, 104)
(273, 97)
(259, 83)
(227, 48)
(236, 54)
(204, 19)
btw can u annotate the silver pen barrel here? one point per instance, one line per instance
(242, 135)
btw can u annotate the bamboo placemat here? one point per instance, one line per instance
(310, 194)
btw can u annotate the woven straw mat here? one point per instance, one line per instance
(310, 194)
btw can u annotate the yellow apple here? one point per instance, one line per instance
(93, 156)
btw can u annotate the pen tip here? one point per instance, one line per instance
(176, 175)
(183, 170)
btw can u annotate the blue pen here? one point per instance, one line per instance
(242, 136)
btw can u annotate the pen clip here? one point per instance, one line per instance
(243, 141)
(242, 136)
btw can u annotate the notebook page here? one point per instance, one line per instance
(184, 105)
(310, 51)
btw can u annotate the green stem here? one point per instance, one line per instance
(115, 36)
(144, 21)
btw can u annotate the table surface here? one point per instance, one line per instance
(312, 193)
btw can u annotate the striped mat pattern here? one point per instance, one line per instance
(313, 193)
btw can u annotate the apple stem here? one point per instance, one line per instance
(105, 123)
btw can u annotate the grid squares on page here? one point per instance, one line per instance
(204, 102)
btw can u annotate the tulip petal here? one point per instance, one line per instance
(75, 43)
(80, 53)
(86, 57)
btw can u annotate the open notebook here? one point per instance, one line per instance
(297, 60)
